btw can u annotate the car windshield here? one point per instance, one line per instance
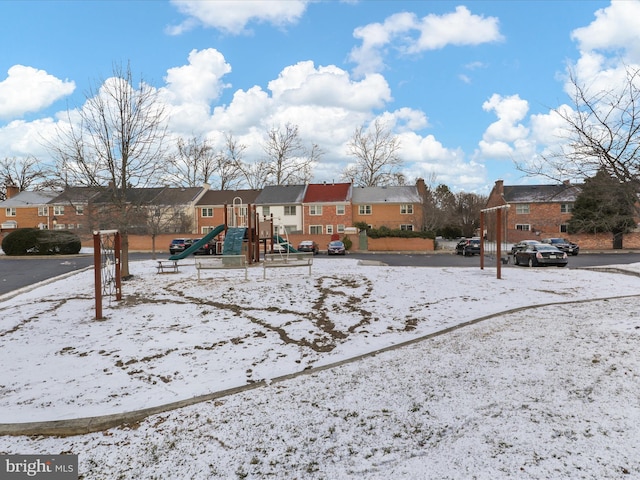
(335, 244)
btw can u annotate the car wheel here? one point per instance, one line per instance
(531, 263)
(562, 265)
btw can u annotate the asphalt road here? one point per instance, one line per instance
(16, 273)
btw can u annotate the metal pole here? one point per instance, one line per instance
(117, 246)
(499, 244)
(97, 270)
(481, 240)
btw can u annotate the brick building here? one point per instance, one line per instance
(535, 210)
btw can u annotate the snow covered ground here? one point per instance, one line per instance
(546, 392)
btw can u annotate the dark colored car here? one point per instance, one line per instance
(179, 245)
(522, 245)
(468, 246)
(563, 244)
(308, 246)
(540, 254)
(205, 249)
(336, 248)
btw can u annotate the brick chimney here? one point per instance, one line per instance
(12, 191)
(421, 187)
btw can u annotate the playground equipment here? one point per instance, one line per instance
(106, 259)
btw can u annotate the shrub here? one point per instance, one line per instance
(347, 243)
(388, 232)
(33, 241)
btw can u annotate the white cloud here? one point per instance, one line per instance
(499, 138)
(329, 86)
(200, 80)
(616, 28)
(27, 89)
(232, 16)
(407, 34)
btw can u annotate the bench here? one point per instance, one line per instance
(223, 262)
(278, 260)
(167, 266)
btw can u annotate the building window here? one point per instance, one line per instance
(78, 226)
(59, 226)
(522, 208)
(364, 209)
(340, 210)
(11, 211)
(406, 209)
(340, 228)
(207, 212)
(564, 228)
(289, 209)
(525, 227)
(408, 228)
(315, 229)
(43, 211)
(79, 209)
(206, 230)
(71, 226)
(266, 211)
(58, 210)
(315, 209)
(566, 207)
(330, 229)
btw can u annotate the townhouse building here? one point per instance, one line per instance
(210, 208)
(282, 204)
(326, 208)
(398, 207)
(535, 210)
(27, 210)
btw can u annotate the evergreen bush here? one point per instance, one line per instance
(33, 241)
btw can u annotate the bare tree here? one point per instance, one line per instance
(376, 157)
(25, 174)
(289, 162)
(256, 174)
(602, 131)
(115, 141)
(228, 163)
(193, 163)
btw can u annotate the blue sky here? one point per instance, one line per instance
(469, 87)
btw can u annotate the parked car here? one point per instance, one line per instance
(208, 248)
(563, 244)
(308, 246)
(522, 245)
(468, 246)
(179, 245)
(281, 247)
(540, 254)
(336, 248)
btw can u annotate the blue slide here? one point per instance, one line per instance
(188, 251)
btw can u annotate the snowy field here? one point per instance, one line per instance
(546, 392)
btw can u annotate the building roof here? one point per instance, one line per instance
(72, 195)
(178, 196)
(327, 193)
(397, 194)
(281, 195)
(563, 192)
(29, 199)
(222, 197)
(135, 196)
